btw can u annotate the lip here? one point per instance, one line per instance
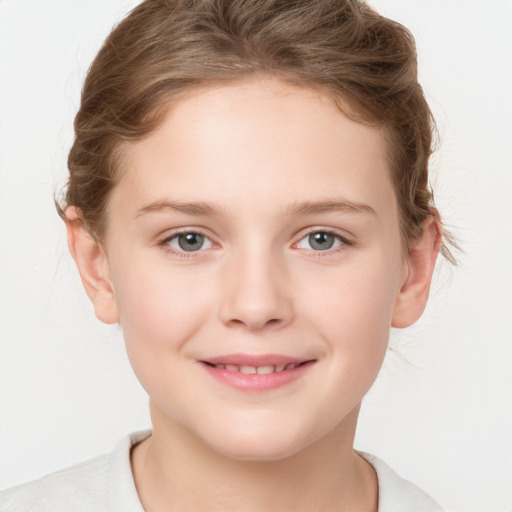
(215, 367)
(254, 359)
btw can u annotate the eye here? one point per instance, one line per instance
(189, 241)
(322, 241)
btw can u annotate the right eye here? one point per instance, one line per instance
(188, 241)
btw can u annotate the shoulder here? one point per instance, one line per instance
(79, 488)
(397, 494)
(101, 484)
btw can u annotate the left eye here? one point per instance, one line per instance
(189, 242)
(320, 241)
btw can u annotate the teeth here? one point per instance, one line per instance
(247, 370)
(264, 370)
(260, 370)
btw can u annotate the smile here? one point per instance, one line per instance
(260, 370)
(256, 373)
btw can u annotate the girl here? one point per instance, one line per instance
(248, 198)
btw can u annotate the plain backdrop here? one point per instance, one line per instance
(440, 413)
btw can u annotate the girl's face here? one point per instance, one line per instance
(254, 231)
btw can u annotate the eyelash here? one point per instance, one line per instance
(164, 243)
(345, 242)
(181, 254)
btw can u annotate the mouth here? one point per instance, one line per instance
(256, 373)
(256, 370)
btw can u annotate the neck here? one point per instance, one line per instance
(173, 470)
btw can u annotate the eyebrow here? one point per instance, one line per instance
(192, 208)
(201, 208)
(329, 205)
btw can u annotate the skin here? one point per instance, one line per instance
(254, 152)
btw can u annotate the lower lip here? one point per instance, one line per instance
(257, 382)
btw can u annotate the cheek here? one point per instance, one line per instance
(159, 312)
(357, 298)
(352, 309)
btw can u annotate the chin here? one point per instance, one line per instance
(255, 451)
(258, 445)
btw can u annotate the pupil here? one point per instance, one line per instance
(321, 240)
(190, 241)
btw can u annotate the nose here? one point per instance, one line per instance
(257, 294)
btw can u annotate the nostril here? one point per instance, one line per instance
(255, 323)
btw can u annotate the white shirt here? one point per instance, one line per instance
(105, 484)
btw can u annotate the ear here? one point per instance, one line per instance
(412, 298)
(92, 263)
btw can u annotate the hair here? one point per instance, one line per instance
(165, 48)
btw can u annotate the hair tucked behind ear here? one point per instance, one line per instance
(165, 48)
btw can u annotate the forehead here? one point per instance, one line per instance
(259, 144)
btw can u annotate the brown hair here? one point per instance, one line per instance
(163, 48)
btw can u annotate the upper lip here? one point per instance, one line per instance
(254, 360)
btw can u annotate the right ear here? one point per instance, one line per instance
(92, 263)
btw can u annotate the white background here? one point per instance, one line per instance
(440, 414)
